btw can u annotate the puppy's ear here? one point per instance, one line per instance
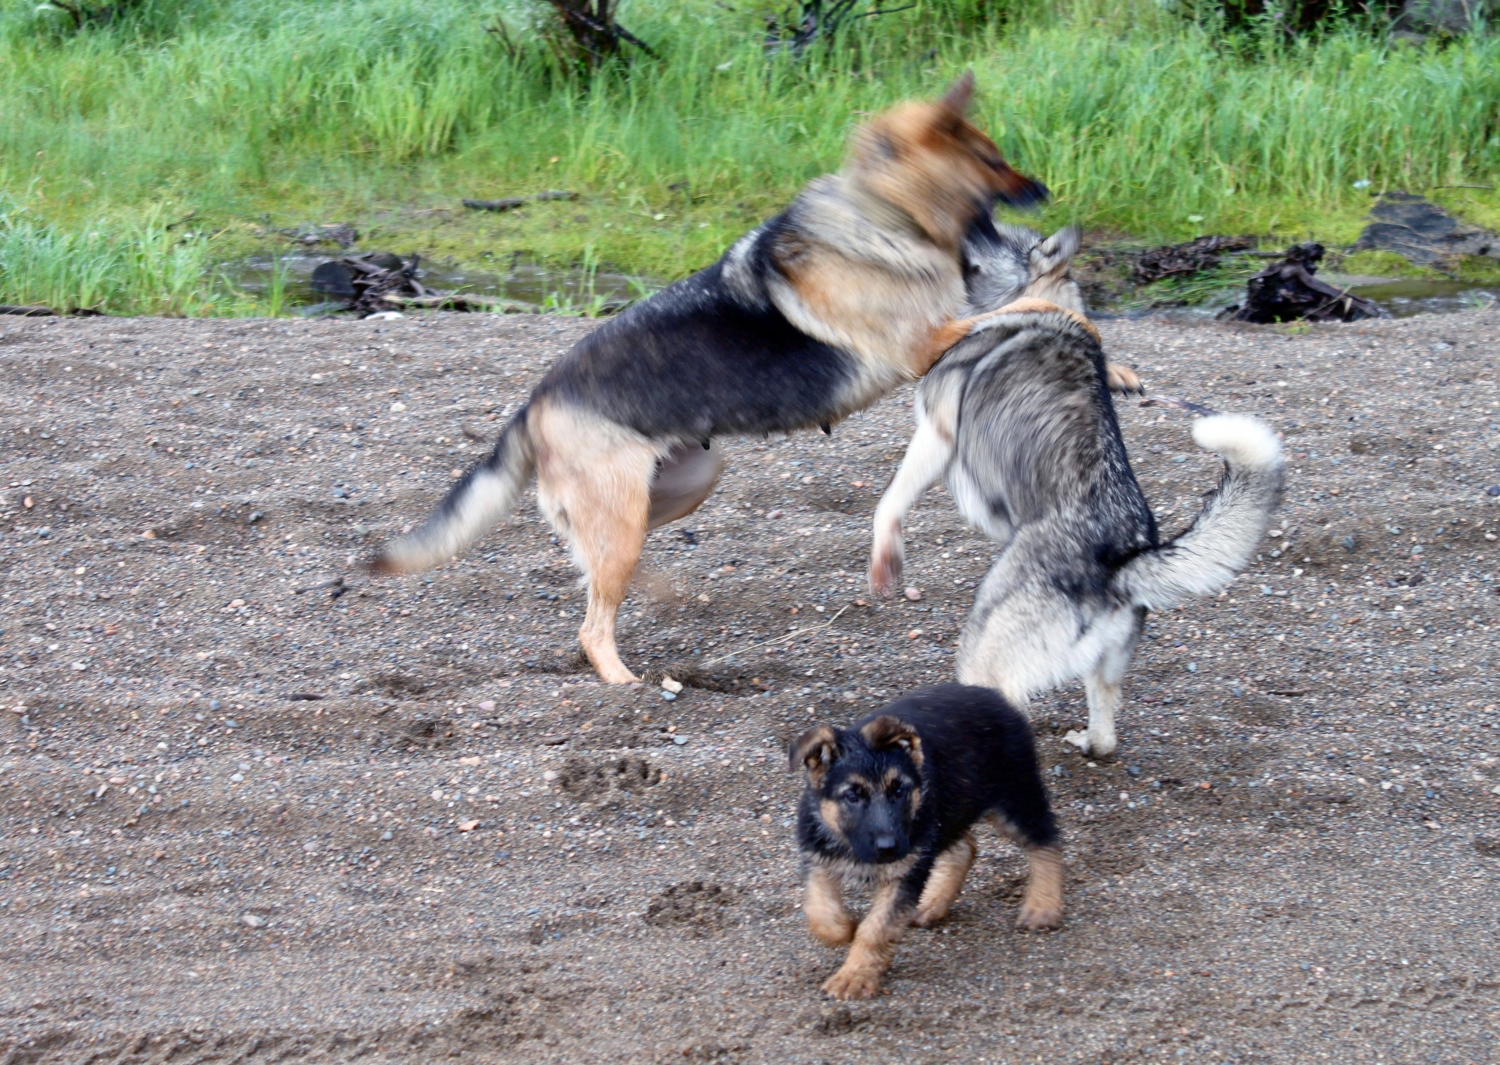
(816, 749)
(1056, 251)
(887, 731)
(956, 100)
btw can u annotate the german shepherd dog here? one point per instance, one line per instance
(1018, 419)
(890, 802)
(805, 320)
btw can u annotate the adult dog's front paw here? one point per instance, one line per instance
(1123, 379)
(849, 983)
(886, 564)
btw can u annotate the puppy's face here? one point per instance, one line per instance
(931, 162)
(868, 786)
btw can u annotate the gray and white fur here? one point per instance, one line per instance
(1018, 420)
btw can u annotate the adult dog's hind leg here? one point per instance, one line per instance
(927, 456)
(946, 881)
(1104, 684)
(592, 482)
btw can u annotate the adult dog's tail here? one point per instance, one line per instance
(488, 492)
(1221, 542)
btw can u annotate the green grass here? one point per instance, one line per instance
(384, 113)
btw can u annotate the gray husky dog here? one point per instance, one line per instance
(1018, 418)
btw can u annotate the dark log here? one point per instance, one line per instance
(510, 203)
(1287, 291)
(1182, 260)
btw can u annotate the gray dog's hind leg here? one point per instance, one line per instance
(1103, 684)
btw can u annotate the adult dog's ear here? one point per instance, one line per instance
(1056, 251)
(887, 731)
(816, 749)
(956, 100)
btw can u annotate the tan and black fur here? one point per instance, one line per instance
(813, 316)
(890, 804)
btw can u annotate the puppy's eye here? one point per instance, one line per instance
(897, 789)
(854, 796)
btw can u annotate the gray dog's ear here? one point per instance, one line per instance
(887, 731)
(816, 749)
(1054, 253)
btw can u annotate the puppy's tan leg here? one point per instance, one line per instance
(945, 882)
(1043, 905)
(823, 902)
(593, 481)
(874, 945)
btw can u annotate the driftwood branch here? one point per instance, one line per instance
(798, 29)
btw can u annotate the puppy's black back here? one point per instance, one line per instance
(978, 759)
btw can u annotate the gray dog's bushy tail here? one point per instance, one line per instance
(488, 492)
(1222, 541)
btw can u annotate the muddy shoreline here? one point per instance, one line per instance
(464, 847)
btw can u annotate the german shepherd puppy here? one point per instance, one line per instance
(890, 802)
(811, 317)
(1018, 419)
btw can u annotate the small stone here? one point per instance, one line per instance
(1133, 770)
(679, 740)
(236, 603)
(1492, 490)
(437, 794)
(913, 593)
(772, 515)
(487, 705)
(467, 826)
(213, 704)
(913, 634)
(387, 835)
(397, 407)
(310, 848)
(550, 775)
(673, 686)
(472, 759)
(669, 696)
(252, 921)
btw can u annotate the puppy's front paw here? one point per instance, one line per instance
(850, 983)
(832, 932)
(1037, 916)
(927, 916)
(1122, 379)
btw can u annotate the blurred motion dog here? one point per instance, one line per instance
(890, 803)
(1018, 419)
(813, 316)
